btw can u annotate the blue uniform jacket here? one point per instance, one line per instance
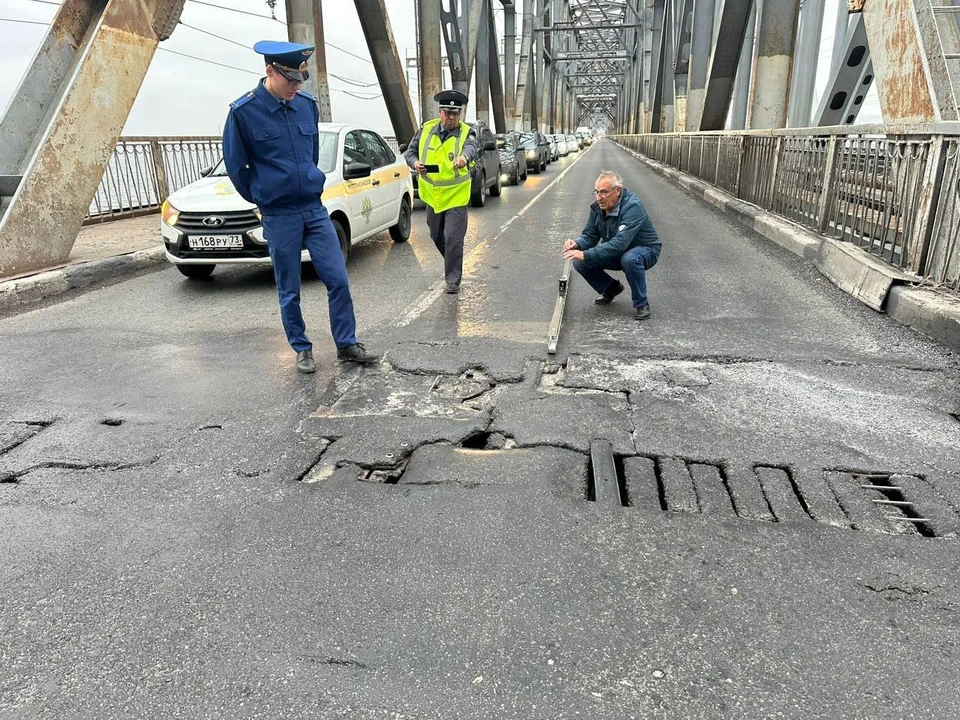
(271, 150)
(606, 238)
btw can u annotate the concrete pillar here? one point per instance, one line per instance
(305, 25)
(509, 59)
(773, 66)
(805, 66)
(429, 59)
(666, 68)
(521, 108)
(482, 78)
(701, 46)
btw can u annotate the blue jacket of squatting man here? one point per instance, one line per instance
(607, 236)
(271, 150)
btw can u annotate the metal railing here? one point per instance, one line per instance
(143, 171)
(895, 192)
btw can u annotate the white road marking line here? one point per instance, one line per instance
(422, 303)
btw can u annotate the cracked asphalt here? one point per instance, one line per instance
(193, 530)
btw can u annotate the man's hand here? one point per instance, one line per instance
(419, 167)
(574, 254)
(460, 162)
(569, 245)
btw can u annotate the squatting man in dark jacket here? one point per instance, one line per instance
(618, 236)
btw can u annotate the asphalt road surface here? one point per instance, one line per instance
(191, 529)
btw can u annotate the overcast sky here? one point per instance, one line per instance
(186, 96)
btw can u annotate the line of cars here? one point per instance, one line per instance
(369, 190)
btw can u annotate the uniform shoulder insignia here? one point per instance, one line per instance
(307, 95)
(241, 101)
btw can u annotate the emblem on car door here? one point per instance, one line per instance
(213, 221)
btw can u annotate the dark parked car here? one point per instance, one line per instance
(486, 171)
(536, 150)
(513, 162)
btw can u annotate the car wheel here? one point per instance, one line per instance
(401, 231)
(479, 198)
(497, 187)
(523, 178)
(543, 167)
(344, 240)
(536, 168)
(196, 272)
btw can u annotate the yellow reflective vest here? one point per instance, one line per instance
(449, 188)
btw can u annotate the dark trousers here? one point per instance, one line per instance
(634, 262)
(287, 235)
(447, 230)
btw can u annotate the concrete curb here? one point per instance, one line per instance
(31, 289)
(931, 313)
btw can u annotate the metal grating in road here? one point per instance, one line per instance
(883, 502)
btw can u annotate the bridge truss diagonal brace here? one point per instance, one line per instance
(723, 64)
(389, 68)
(71, 146)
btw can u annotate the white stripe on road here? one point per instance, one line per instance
(421, 304)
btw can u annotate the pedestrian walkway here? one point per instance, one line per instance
(117, 237)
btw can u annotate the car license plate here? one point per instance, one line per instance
(214, 242)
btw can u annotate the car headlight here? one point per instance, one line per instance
(531, 153)
(169, 214)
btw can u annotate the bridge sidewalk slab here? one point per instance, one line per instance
(928, 311)
(102, 252)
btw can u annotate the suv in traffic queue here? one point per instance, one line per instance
(536, 150)
(486, 169)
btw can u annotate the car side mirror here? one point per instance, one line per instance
(206, 171)
(489, 145)
(354, 171)
(403, 148)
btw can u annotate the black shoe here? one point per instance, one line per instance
(452, 288)
(642, 313)
(305, 362)
(356, 353)
(616, 287)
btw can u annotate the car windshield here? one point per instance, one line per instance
(505, 144)
(328, 156)
(527, 140)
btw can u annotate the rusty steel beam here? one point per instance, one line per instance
(911, 68)
(773, 65)
(305, 25)
(509, 60)
(98, 52)
(386, 61)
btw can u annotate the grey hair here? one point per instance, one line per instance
(612, 177)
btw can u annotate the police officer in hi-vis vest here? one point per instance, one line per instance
(442, 153)
(271, 148)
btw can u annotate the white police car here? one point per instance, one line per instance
(368, 190)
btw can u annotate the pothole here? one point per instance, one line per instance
(112, 422)
(487, 441)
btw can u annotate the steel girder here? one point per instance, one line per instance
(59, 131)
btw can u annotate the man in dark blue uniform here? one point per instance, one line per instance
(271, 149)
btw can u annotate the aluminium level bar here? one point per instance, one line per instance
(553, 335)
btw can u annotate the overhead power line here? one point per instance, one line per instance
(242, 12)
(25, 22)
